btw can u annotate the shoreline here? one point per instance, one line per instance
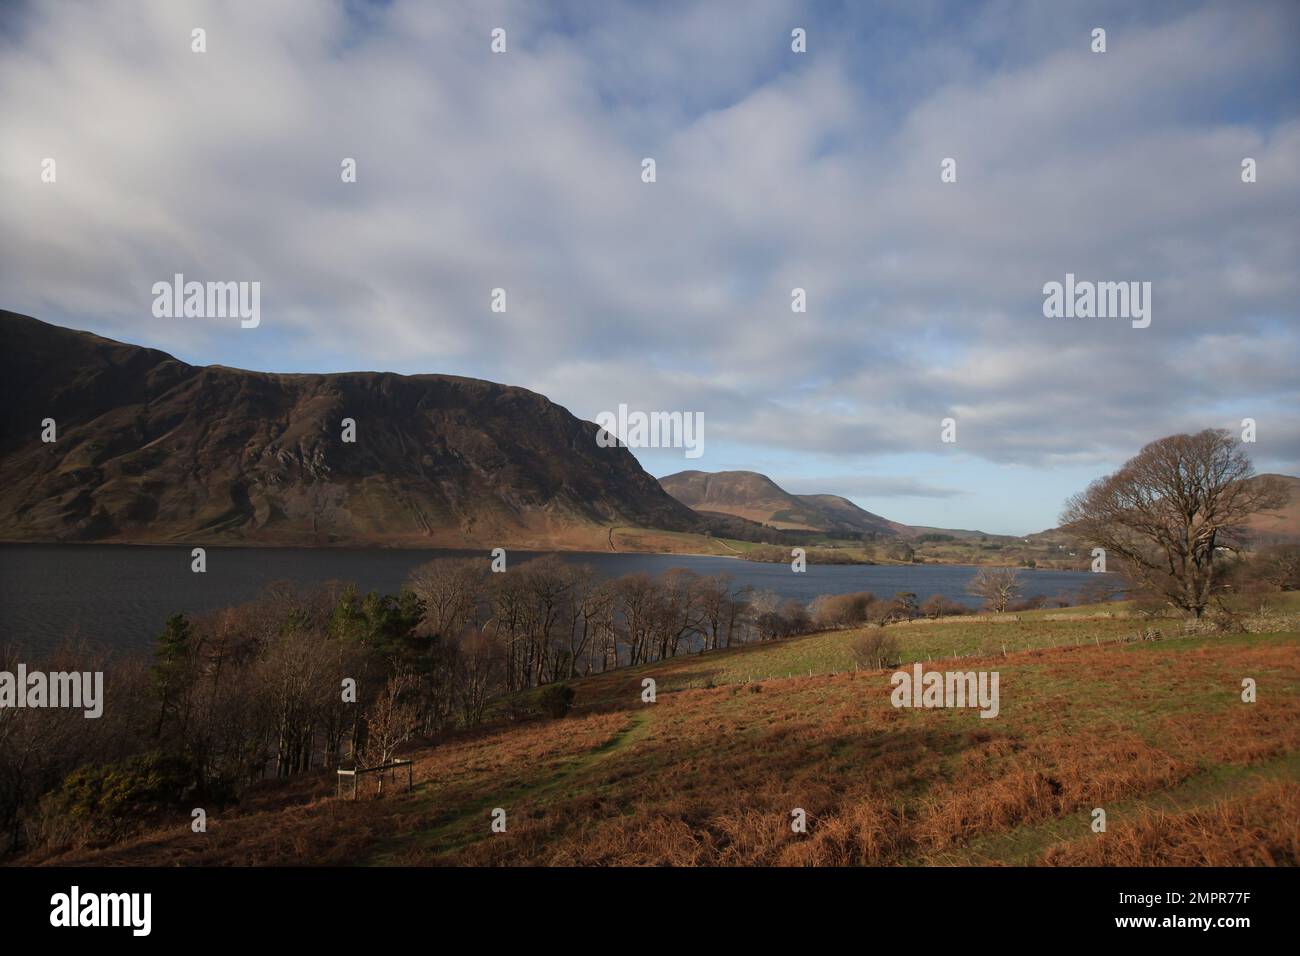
(465, 550)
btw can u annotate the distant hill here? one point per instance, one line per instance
(1280, 525)
(755, 497)
(150, 449)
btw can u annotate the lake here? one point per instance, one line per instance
(120, 595)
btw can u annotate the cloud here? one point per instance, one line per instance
(866, 486)
(522, 171)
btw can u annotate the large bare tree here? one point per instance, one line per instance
(1168, 510)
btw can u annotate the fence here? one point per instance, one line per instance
(358, 772)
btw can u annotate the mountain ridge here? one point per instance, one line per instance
(150, 449)
(756, 497)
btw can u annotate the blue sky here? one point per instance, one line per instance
(775, 170)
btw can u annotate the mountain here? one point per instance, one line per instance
(150, 449)
(747, 494)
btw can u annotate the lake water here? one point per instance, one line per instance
(120, 595)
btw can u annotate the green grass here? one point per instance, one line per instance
(461, 825)
(832, 652)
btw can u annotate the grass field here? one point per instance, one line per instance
(1153, 732)
(827, 549)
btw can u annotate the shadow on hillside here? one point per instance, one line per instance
(706, 792)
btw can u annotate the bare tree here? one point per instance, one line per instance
(390, 720)
(451, 590)
(764, 606)
(684, 616)
(294, 679)
(996, 586)
(478, 661)
(1167, 512)
(640, 604)
(1279, 566)
(712, 595)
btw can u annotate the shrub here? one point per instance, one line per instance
(108, 801)
(904, 606)
(842, 610)
(936, 605)
(1279, 566)
(556, 700)
(796, 618)
(875, 650)
(880, 614)
(1148, 604)
(1032, 603)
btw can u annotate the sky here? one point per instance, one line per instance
(774, 170)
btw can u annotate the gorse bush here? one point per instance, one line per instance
(556, 700)
(106, 802)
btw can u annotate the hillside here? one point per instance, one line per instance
(755, 497)
(710, 772)
(1280, 525)
(150, 449)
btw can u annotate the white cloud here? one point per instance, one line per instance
(522, 171)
